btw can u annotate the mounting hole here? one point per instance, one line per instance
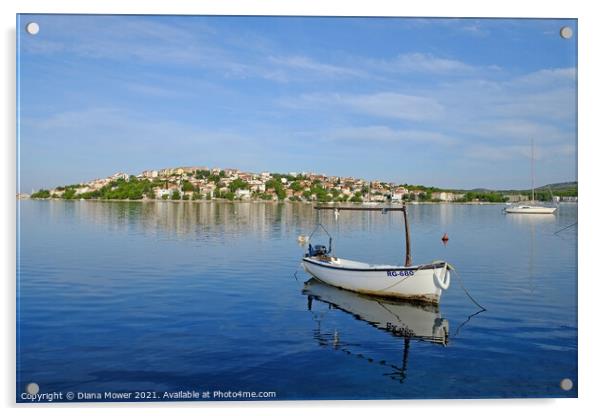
(566, 32)
(32, 28)
(32, 388)
(566, 384)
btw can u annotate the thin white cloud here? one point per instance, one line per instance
(381, 69)
(547, 77)
(156, 90)
(382, 133)
(475, 28)
(439, 67)
(514, 153)
(395, 105)
(382, 105)
(552, 105)
(421, 62)
(497, 153)
(43, 47)
(75, 119)
(514, 130)
(305, 63)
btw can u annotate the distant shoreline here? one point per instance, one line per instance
(204, 201)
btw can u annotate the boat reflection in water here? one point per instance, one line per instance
(409, 321)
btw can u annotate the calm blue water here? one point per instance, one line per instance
(164, 297)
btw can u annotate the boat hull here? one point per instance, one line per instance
(424, 283)
(530, 210)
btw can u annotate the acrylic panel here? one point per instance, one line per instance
(295, 208)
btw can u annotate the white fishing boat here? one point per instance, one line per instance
(531, 207)
(422, 282)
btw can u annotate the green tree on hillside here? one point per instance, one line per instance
(238, 184)
(188, 187)
(69, 193)
(296, 186)
(357, 197)
(42, 193)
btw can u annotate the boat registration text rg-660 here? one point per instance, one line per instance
(396, 273)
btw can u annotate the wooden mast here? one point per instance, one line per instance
(384, 210)
(407, 228)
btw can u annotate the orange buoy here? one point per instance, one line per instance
(445, 238)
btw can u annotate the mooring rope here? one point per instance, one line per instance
(453, 269)
(457, 332)
(299, 266)
(464, 288)
(568, 226)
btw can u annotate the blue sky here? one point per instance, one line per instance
(442, 102)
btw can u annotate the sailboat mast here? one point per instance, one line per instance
(532, 171)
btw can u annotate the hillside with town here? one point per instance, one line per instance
(202, 183)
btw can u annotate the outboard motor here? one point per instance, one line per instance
(319, 250)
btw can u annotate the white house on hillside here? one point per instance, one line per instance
(243, 193)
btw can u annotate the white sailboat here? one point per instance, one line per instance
(531, 207)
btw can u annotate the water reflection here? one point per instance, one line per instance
(266, 219)
(531, 219)
(405, 320)
(535, 223)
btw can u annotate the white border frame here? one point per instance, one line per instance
(588, 151)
